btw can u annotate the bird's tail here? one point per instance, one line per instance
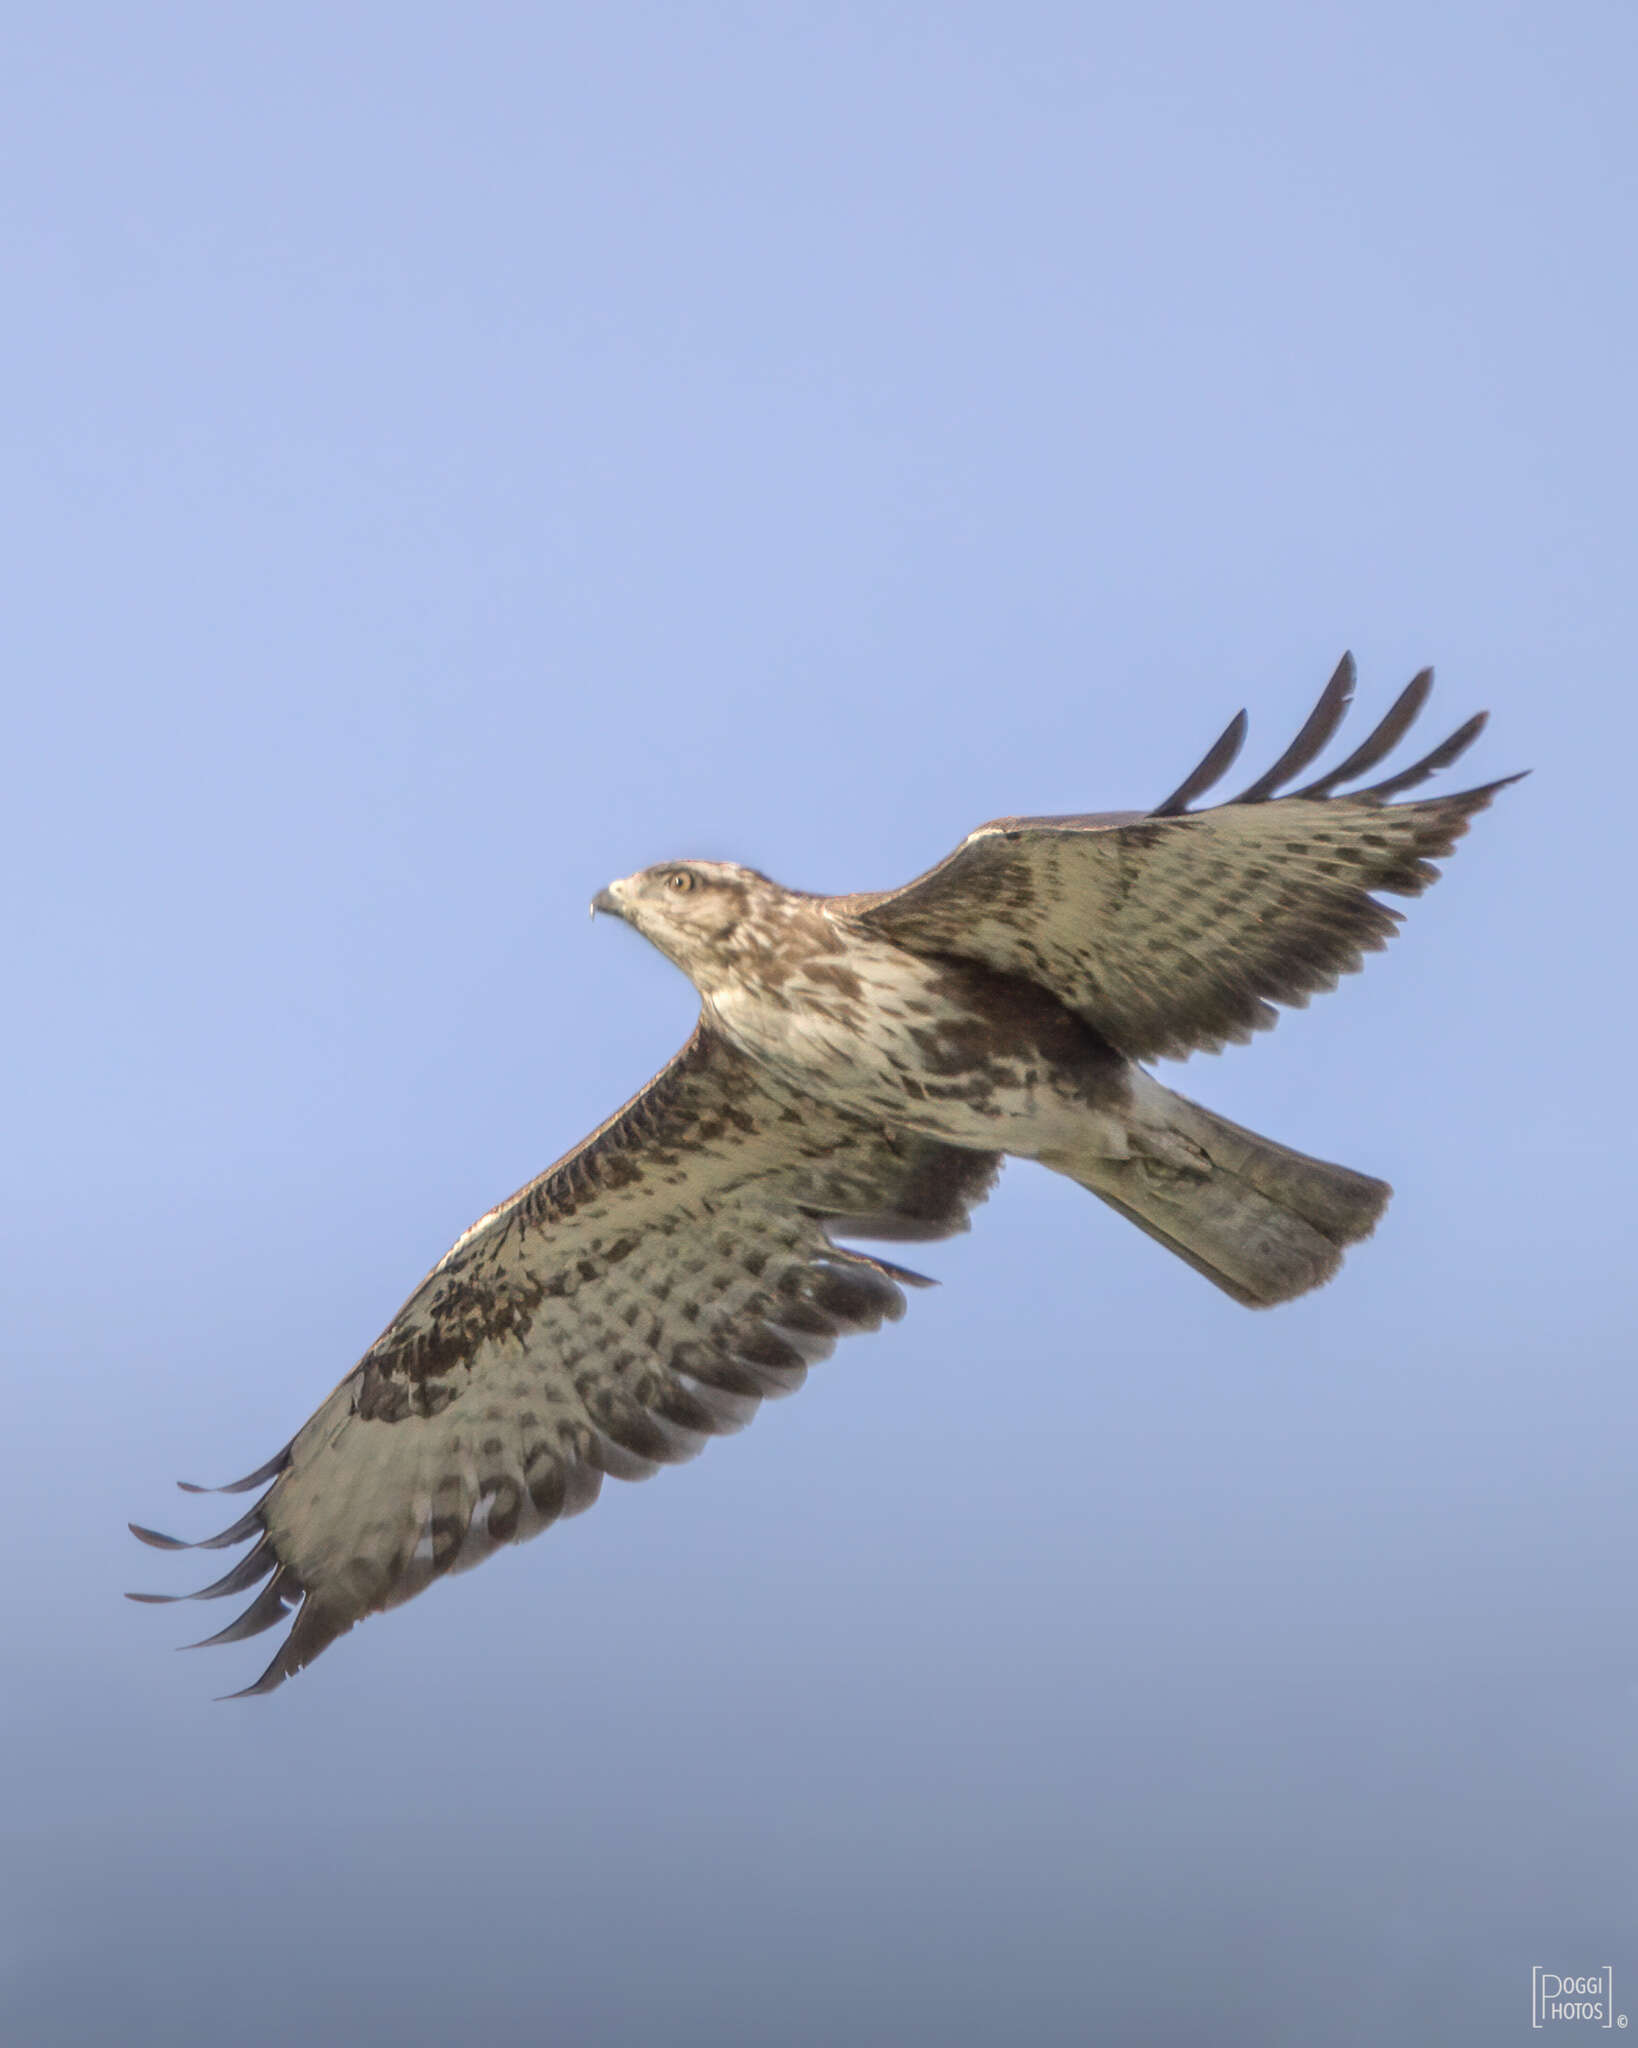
(1260, 1221)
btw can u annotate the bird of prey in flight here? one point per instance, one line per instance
(861, 1066)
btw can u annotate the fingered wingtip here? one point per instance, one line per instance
(1316, 734)
(1220, 758)
(266, 1611)
(270, 1681)
(271, 1470)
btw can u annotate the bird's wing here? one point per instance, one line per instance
(642, 1295)
(1176, 931)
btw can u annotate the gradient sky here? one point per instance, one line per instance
(454, 457)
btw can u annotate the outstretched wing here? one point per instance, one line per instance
(1177, 931)
(644, 1294)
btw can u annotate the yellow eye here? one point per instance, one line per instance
(680, 880)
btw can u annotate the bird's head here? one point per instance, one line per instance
(708, 916)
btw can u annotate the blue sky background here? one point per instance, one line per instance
(454, 457)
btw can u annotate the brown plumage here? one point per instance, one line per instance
(860, 1067)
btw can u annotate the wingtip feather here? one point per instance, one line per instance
(1316, 734)
(1216, 762)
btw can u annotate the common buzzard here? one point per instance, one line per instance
(860, 1067)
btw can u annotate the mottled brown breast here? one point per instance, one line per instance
(976, 1019)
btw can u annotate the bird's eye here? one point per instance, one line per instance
(680, 880)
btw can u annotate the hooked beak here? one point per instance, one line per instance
(606, 901)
